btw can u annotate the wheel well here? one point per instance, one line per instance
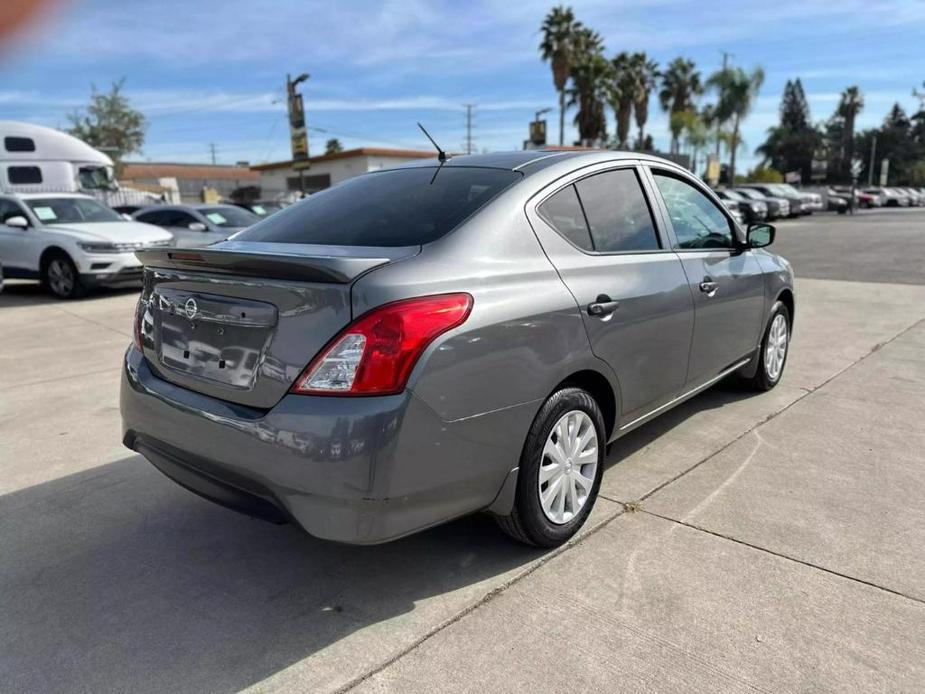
(786, 298)
(50, 253)
(600, 389)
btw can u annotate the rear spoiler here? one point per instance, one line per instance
(340, 264)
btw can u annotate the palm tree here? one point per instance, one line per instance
(560, 29)
(681, 86)
(850, 105)
(621, 93)
(590, 78)
(646, 73)
(736, 92)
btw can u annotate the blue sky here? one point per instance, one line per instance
(213, 71)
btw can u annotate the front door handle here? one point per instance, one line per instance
(708, 286)
(602, 306)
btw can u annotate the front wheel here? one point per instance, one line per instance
(560, 470)
(772, 354)
(61, 277)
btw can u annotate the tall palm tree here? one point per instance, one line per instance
(621, 94)
(850, 105)
(681, 86)
(590, 78)
(647, 74)
(736, 91)
(560, 29)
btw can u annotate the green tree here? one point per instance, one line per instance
(558, 46)
(680, 88)
(621, 92)
(590, 79)
(736, 92)
(647, 74)
(333, 146)
(792, 145)
(110, 124)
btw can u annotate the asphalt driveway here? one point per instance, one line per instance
(772, 542)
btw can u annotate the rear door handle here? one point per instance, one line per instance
(602, 306)
(708, 286)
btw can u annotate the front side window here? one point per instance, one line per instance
(698, 223)
(402, 207)
(617, 212)
(8, 209)
(24, 175)
(71, 211)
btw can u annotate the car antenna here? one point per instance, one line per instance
(441, 155)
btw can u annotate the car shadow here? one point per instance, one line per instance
(32, 293)
(724, 393)
(116, 579)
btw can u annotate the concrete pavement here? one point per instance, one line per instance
(776, 549)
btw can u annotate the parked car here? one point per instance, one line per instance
(777, 207)
(835, 202)
(861, 199)
(734, 210)
(470, 338)
(752, 210)
(261, 208)
(889, 196)
(71, 242)
(799, 205)
(916, 199)
(197, 225)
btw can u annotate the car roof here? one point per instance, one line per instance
(33, 196)
(533, 160)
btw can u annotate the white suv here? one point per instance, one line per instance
(71, 242)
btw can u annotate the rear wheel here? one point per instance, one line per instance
(60, 275)
(560, 470)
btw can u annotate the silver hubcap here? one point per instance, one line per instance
(569, 467)
(60, 277)
(776, 350)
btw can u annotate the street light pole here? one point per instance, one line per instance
(873, 155)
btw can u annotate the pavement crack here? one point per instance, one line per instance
(484, 600)
(773, 415)
(781, 555)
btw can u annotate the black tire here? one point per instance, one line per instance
(527, 522)
(60, 276)
(763, 380)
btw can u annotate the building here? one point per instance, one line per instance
(280, 179)
(191, 182)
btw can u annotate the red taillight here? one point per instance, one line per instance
(375, 354)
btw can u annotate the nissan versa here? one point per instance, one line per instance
(417, 344)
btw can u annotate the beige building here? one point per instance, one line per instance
(280, 178)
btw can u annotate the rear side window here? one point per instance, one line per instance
(563, 212)
(617, 212)
(404, 207)
(24, 175)
(19, 144)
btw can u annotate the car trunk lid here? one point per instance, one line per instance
(239, 321)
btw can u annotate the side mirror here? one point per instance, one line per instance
(19, 222)
(197, 226)
(760, 235)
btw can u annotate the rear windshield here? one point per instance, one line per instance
(404, 207)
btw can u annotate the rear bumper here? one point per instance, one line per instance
(355, 470)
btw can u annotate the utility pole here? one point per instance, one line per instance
(298, 134)
(726, 57)
(212, 152)
(873, 155)
(469, 108)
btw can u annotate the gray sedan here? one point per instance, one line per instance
(416, 344)
(199, 224)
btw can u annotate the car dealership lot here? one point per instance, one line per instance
(775, 541)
